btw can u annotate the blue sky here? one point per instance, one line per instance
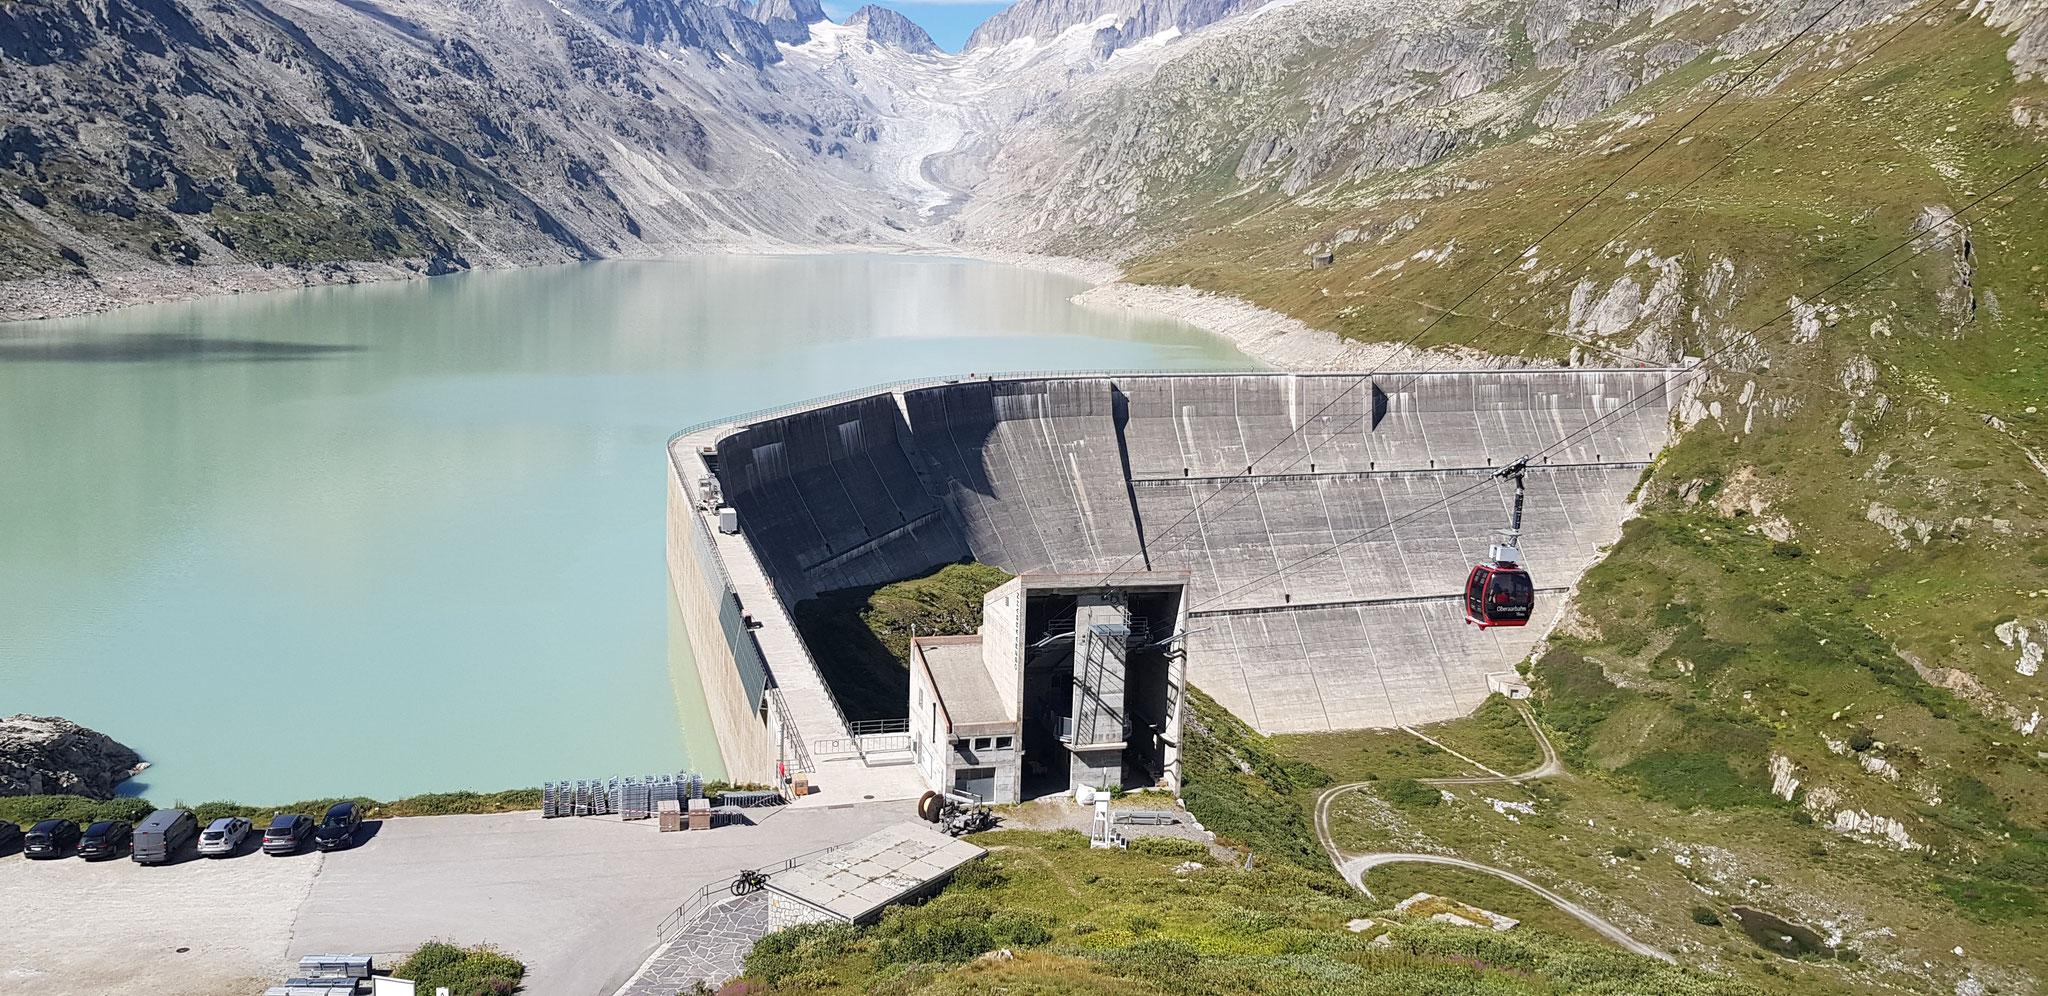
(947, 23)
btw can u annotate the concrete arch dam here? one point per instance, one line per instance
(1325, 520)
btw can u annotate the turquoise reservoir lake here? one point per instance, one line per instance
(408, 537)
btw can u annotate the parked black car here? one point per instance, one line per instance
(287, 833)
(50, 839)
(338, 830)
(10, 836)
(106, 839)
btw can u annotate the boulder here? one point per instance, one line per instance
(45, 755)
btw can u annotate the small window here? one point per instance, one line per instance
(981, 743)
(1002, 743)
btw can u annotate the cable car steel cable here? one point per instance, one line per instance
(1663, 200)
(1632, 403)
(1569, 216)
(1666, 199)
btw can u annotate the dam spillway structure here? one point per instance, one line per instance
(1313, 530)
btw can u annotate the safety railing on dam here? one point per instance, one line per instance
(739, 638)
(761, 414)
(806, 404)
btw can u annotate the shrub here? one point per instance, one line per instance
(1169, 847)
(1064, 840)
(1786, 550)
(1140, 924)
(1705, 916)
(28, 809)
(1694, 778)
(982, 874)
(1158, 960)
(953, 927)
(1407, 793)
(1862, 740)
(479, 971)
(1249, 921)
(1020, 928)
(939, 940)
(798, 949)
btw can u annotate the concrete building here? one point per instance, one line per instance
(1073, 680)
(967, 738)
(1321, 524)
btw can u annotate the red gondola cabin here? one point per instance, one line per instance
(1499, 595)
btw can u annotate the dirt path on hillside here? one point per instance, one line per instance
(1354, 866)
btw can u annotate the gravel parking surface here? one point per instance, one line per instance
(202, 927)
(576, 899)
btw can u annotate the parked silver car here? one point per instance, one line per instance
(223, 836)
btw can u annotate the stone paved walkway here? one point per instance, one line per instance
(712, 949)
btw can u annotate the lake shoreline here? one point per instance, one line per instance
(1272, 338)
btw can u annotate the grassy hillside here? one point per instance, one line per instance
(861, 636)
(1079, 921)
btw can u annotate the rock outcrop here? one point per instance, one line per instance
(1117, 23)
(887, 27)
(45, 755)
(789, 20)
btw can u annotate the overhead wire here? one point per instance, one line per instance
(1666, 200)
(1745, 338)
(1145, 551)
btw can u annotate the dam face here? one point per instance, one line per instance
(1325, 565)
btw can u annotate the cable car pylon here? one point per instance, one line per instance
(1498, 592)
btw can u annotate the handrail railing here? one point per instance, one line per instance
(758, 414)
(865, 390)
(792, 738)
(706, 897)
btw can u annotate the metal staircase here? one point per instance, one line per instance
(1099, 676)
(795, 757)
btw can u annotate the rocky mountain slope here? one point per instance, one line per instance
(1107, 27)
(149, 146)
(887, 27)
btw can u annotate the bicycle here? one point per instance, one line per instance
(748, 881)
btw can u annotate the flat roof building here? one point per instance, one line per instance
(1074, 679)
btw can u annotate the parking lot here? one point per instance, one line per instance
(576, 899)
